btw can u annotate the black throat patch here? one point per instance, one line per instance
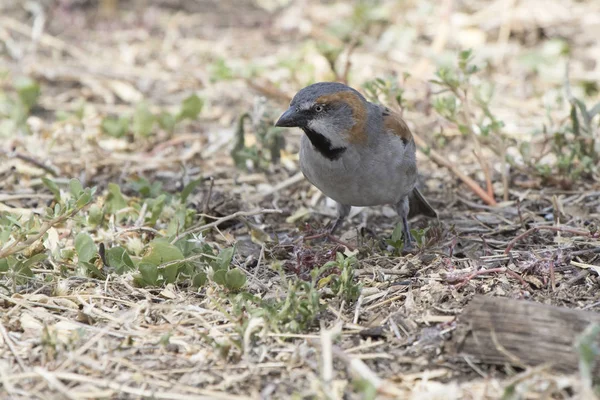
(323, 145)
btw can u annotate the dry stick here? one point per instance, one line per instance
(224, 219)
(54, 383)
(466, 279)
(574, 231)
(45, 39)
(361, 370)
(351, 48)
(13, 248)
(9, 343)
(552, 279)
(33, 161)
(200, 394)
(486, 173)
(267, 88)
(209, 195)
(331, 237)
(440, 160)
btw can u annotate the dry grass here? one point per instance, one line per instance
(70, 335)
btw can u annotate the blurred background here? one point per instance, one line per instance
(167, 107)
(101, 59)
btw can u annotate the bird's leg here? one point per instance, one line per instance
(342, 213)
(402, 208)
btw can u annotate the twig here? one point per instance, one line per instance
(327, 337)
(574, 231)
(268, 89)
(329, 236)
(362, 371)
(15, 248)
(224, 219)
(209, 195)
(552, 278)
(44, 38)
(353, 45)
(31, 160)
(55, 383)
(467, 278)
(292, 180)
(118, 387)
(440, 160)
(486, 173)
(9, 343)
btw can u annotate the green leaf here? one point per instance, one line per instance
(167, 121)
(84, 199)
(235, 279)
(115, 127)
(589, 352)
(170, 273)
(189, 188)
(190, 108)
(143, 120)
(220, 71)
(224, 258)
(114, 200)
(160, 252)
(397, 233)
(574, 120)
(85, 247)
(95, 215)
(220, 277)
(75, 187)
(36, 259)
(118, 258)
(200, 279)
(28, 91)
(147, 189)
(3, 265)
(149, 273)
(22, 272)
(156, 206)
(53, 187)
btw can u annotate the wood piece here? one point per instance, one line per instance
(495, 330)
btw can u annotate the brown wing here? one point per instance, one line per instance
(394, 124)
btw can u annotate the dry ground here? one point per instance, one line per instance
(66, 333)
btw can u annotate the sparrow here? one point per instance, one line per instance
(356, 152)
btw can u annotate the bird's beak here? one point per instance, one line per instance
(289, 119)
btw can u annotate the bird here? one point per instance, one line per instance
(356, 152)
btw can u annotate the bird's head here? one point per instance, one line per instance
(330, 109)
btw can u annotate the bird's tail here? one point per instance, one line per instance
(418, 205)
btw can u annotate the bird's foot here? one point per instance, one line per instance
(327, 234)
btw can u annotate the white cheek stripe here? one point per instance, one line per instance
(325, 129)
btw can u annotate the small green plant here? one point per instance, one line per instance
(589, 355)
(573, 145)
(397, 239)
(454, 103)
(295, 311)
(386, 91)
(16, 108)
(142, 122)
(299, 307)
(349, 33)
(340, 277)
(269, 138)
(20, 247)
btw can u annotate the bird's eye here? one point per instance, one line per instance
(318, 108)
